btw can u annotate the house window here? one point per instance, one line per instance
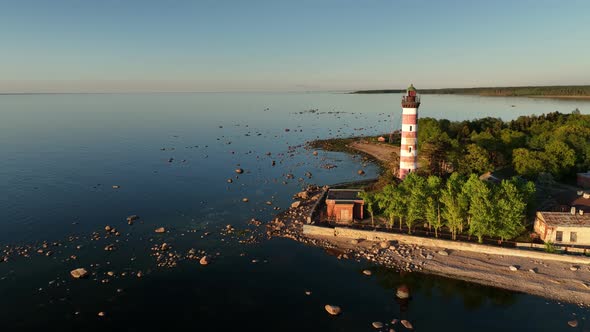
(559, 236)
(574, 237)
(410, 128)
(410, 149)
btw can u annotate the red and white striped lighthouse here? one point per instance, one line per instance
(408, 157)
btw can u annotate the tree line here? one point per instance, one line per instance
(553, 143)
(459, 204)
(515, 91)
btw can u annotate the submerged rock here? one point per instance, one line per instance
(333, 310)
(367, 272)
(79, 273)
(239, 170)
(377, 325)
(204, 260)
(573, 323)
(132, 218)
(402, 292)
(160, 230)
(407, 324)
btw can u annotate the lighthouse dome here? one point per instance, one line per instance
(411, 88)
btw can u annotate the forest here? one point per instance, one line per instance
(515, 91)
(447, 192)
(554, 145)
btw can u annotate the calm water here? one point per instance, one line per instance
(61, 155)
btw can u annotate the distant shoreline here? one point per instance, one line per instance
(553, 92)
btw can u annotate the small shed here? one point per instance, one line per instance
(344, 205)
(567, 228)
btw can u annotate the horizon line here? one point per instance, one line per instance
(275, 91)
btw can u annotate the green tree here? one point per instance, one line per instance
(433, 210)
(559, 158)
(452, 210)
(476, 160)
(482, 211)
(527, 163)
(415, 188)
(527, 190)
(370, 202)
(391, 200)
(511, 207)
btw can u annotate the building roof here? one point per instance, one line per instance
(565, 219)
(344, 194)
(411, 88)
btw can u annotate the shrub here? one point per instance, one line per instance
(550, 247)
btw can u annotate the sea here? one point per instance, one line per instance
(72, 164)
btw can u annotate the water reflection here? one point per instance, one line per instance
(474, 296)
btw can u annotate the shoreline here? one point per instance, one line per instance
(549, 279)
(584, 98)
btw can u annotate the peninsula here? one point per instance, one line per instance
(484, 200)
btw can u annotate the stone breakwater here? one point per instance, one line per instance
(290, 224)
(559, 280)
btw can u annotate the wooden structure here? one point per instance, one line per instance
(344, 205)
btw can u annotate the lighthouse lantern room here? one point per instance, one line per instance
(408, 157)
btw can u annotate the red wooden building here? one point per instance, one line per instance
(344, 205)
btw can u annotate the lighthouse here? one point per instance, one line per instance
(408, 156)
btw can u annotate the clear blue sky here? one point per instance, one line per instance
(219, 45)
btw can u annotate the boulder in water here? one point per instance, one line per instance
(407, 324)
(377, 325)
(79, 273)
(333, 310)
(204, 260)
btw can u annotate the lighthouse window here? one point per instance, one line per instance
(410, 149)
(410, 128)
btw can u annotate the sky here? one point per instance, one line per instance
(296, 45)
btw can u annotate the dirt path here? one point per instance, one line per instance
(383, 152)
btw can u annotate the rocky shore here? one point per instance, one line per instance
(550, 279)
